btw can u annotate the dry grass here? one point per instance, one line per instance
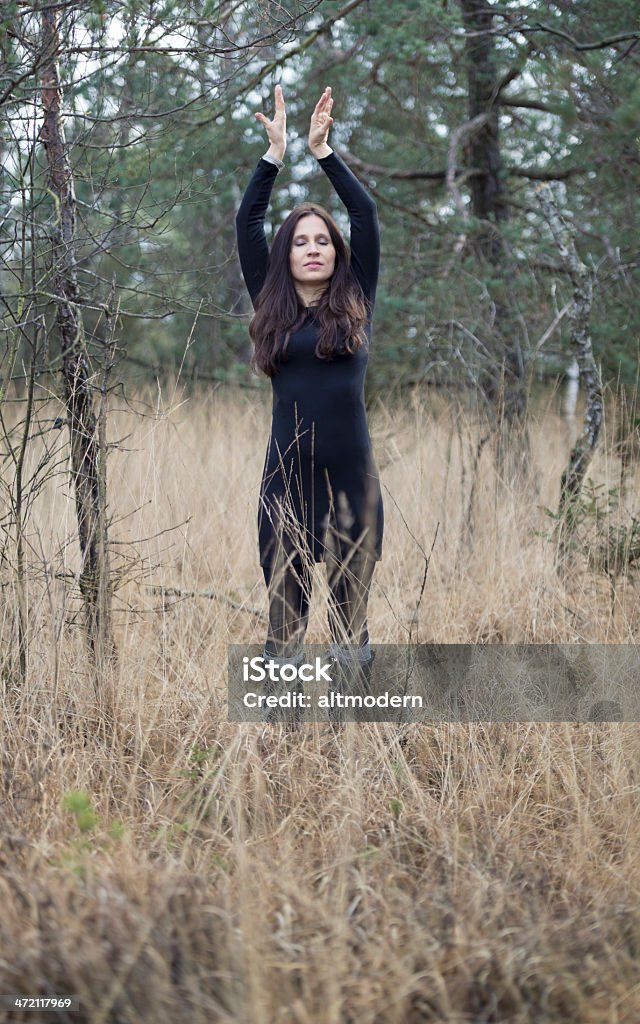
(219, 873)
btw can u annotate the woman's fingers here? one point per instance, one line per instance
(326, 95)
(279, 111)
(321, 119)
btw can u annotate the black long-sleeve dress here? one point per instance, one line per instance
(320, 489)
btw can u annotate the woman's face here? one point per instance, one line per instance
(312, 258)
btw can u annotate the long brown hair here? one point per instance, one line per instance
(342, 309)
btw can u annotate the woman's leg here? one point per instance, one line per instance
(349, 585)
(289, 588)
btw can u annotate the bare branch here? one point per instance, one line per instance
(598, 45)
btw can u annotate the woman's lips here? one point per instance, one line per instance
(314, 264)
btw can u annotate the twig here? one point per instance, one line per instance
(212, 595)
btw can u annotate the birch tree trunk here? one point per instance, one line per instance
(87, 467)
(589, 374)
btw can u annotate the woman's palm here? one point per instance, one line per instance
(321, 119)
(277, 126)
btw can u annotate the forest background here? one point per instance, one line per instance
(158, 113)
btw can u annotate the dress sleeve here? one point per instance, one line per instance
(252, 243)
(363, 217)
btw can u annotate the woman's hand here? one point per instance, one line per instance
(321, 122)
(277, 127)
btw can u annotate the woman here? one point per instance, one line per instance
(320, 498)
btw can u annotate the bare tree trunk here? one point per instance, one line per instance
(503, 384)
(85, 451)
(583, 449)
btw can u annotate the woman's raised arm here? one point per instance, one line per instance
(363, 216)
(252, 242)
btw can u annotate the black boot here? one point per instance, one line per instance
(605, 711)
(288, 716)
(351, 678)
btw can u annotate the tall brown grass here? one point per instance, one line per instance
(166, 866)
